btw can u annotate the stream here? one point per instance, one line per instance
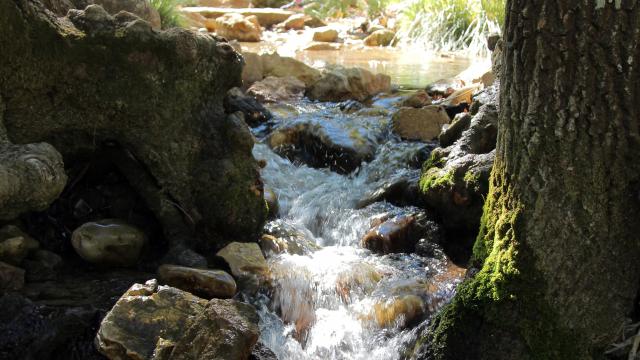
(335, 299)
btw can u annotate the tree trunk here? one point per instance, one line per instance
(559, 244)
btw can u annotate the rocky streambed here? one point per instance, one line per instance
(133, 227)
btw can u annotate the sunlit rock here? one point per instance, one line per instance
(281, 237)
(281, 66)
(325, 34)
(271, 199)
(225, 3)
(247, 264)
(224, 329)
(464, 95)
(423, 124)
(398, 234)
(274, 89)
(399, 312)
(15, 244)
(322, 46)
(238, 27)
(108, 242)
(382, 37)
(295, 22)
(340, 83)
(205, 283)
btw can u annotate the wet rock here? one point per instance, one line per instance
(11, 278)
(360, 280)
(141, 8)
(464, 95)
(453, 110)
(205, 283)
(224, 330)
(247, 264)
(351, 106)
(424, 124)
(42, 265)
(143, 315)
(234, 26)
(399, 192)
(108, 242)
(443, 88)
(325, 34)
(281, 237)
(401, 311)
(398, 234)
(262, 352)
(322, 144)
(417, 100)
(272, 203)
(295, 22)
(15, 244)
(280, 66)
(254, 113)
(273, 89)
(382, 37)
(340, 84)
(454, 131)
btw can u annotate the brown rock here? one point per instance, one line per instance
(225, 3)
(380, 38)
(247, 264)
(273, 89)
(417, 100)
(424, 124)
(340, 84)
(398, 234)
(295, 22)
(238, 27)
(279, 66)
(205, 283)
(253, 69)
(325, 34)
(322, 46)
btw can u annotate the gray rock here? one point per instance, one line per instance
(108, 242)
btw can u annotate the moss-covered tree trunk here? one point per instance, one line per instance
(559, 247)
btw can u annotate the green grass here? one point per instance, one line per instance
(169, 12)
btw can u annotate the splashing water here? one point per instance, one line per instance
(342, 301)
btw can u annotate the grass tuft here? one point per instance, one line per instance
(169, 12)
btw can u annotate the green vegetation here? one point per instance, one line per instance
(169, 12)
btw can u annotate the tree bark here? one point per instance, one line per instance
(559, 246)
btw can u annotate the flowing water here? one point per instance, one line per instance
(337, 300)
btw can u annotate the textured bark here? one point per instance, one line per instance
(558, 248)
(92, 81)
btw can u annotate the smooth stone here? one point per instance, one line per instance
(401, 311)
(424, 124)
(205, 283)
(277, 89)
(418, 99)
(295, 22)
(382, 37)
(108, 242)
(340, 84)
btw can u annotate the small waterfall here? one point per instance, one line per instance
(342, 301)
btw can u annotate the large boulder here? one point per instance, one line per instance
(143, 315)
(320, 143)
(273, 89)
(423, 124)
(108, 242)
(237, 27)
(160, 120)
(224, 330)
(340, 83)
(205, 283)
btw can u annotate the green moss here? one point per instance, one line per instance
(501, 312)
(435, 160)
(434, 178)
